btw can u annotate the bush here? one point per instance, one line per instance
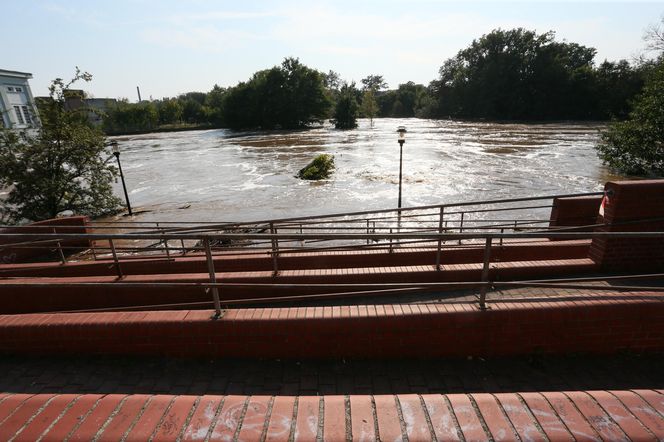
(319, 168)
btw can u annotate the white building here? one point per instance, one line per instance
(17, 105)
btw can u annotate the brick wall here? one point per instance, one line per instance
(575, 211)
(632, 206)
(599, 324)
(72, 224)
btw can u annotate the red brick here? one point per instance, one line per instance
(627, 422)
(442, 419)
(547, 417)
(575, 422)
(520, 417)
(414, 417)
(172, 424)
(202, 419)
(11, 404)
(467, 418)
(499, 426)
(73, 416)
(649, 417)
(334, 420)
(362, 418)
(389, 427)
(229, 418)
(44, 419)
(281, 419)
(128, 413)
(147, 424)
(23, 412)
(306, 425)
(254, 419)
(593, 413)
(95, 420)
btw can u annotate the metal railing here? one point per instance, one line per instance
(487, 240)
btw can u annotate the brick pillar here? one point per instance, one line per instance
(632, 206)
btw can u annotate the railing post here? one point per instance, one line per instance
(92, 247)
(275, 249)
(367, 231)
(440, 241)
(115, 258)
(390, 240)
(501, 238)
(461, 225)
(213, 279)
(165, 242)
(184, 251)
(485, 273)
(62, 255)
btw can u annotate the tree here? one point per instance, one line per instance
(63, 167)
(126, 117)
(369, 107)
(636, 146)
(345, 112)
(374, 82)
(170, 111)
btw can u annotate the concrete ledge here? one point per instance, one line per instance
(603, 323)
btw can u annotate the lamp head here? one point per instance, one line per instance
(115, 148)
(402, 134)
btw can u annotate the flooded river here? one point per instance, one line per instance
(222, 175)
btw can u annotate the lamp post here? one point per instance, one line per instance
(116, 152)
(402, 139)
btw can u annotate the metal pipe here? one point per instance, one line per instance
(440, 242)
(115, 258)
(485, 273)
(213, 279)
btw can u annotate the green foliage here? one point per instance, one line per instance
(288, 96)
(369, 106)
(406, 101)
(170, 111)
(319, 168)
(125, 117)
(636, 146)
(518, 74)
(374, 83)
(346, 109)
(64, 166)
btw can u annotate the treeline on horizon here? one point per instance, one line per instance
(504, 75)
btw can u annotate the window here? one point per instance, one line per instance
(10, 89)
(26, 115)
(18, 89)
(19, 117)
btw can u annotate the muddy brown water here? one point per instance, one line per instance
(222, 175)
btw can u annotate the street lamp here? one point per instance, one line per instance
(402, 139)
(116, 151)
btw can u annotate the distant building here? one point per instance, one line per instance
(17, 108)
(76, 99)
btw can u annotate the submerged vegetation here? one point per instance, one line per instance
(319, 168)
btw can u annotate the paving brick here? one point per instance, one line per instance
(362, 418)
(23, 412)
(499, 426)
(230, 418)
(334, 420)
(601, 422)
(306, 424)
(520, 417)
(648, 416)
(467, 417)
(73, 417)
(173, 422)
(125, 417)
(44, 419)
(548, 419)
(94, 421)
(147, 423)
(442, 419)
(575, 421)
(387, 414)
(620, 415)
(11, 404)
(281, 419)
(255, 418)
(202, 419)
(414, 417)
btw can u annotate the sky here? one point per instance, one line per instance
(171, 47)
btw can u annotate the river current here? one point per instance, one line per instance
(223, 175)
